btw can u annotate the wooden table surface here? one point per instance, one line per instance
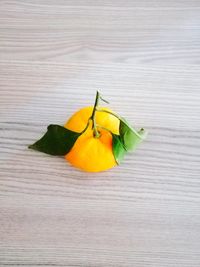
(144, 57)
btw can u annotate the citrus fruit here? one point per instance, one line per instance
(94, 139)
(90, 153)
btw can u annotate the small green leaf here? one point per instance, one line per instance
(118, 148)
(56, 141)
(130, 137)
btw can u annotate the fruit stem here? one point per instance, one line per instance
(93, 118)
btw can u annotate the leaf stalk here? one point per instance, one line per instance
(93, 116)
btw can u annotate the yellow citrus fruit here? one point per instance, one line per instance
(90, 153)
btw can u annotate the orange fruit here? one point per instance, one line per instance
(90, 153)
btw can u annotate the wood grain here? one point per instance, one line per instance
(144, 58)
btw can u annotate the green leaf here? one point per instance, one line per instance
(130, 137)
(118, 148)
(56, 141)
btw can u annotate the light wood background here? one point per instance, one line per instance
(144, 56)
